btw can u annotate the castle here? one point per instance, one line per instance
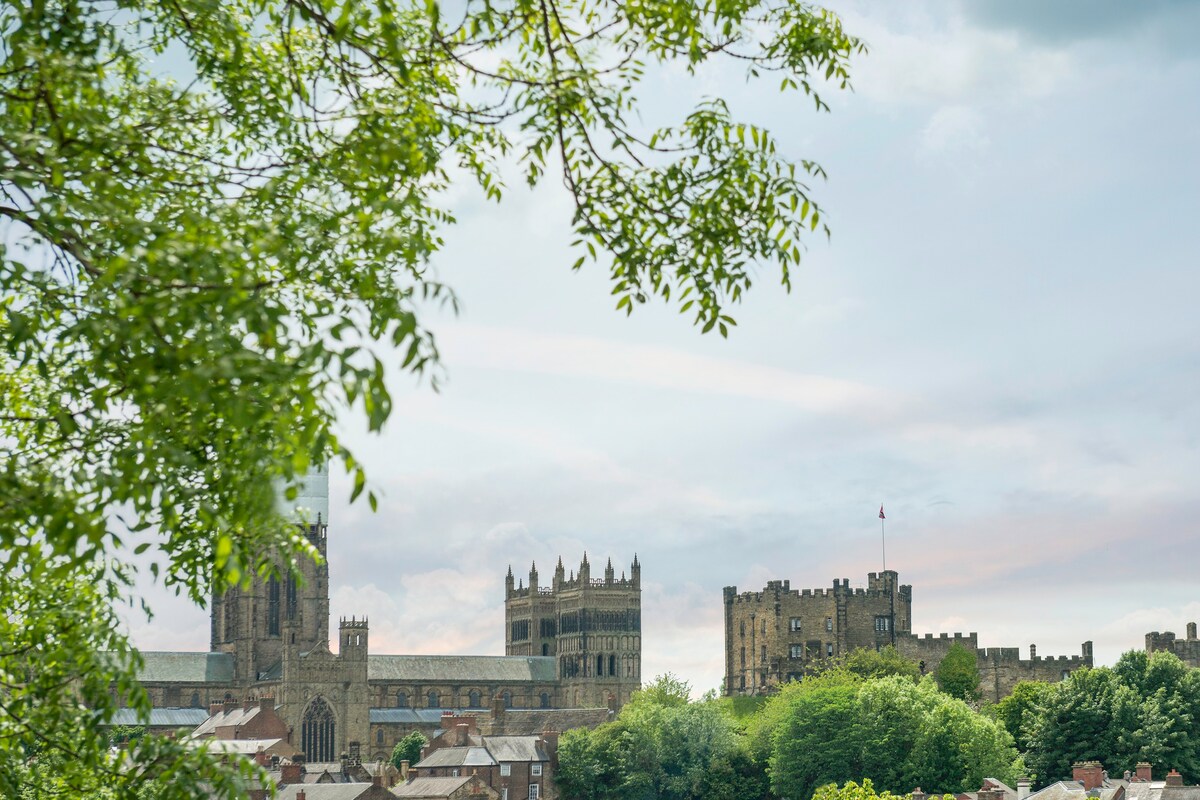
(575, 645)
(780, 633)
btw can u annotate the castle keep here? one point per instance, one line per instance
(573, 654)
(778, 634)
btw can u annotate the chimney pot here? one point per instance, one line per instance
(215, 708)
(1174, 778)
(1144, 771)
(1023, 785)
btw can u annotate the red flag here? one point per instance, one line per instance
(881, 516)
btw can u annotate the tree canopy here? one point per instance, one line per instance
(218, 223)
(408, 749)
(958, 673)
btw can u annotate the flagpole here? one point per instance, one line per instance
(883, 539)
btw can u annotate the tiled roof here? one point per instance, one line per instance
(186, 668)
(234, 717)
(462, 669)
(429, 787)
(1073, 790)
(162, 717)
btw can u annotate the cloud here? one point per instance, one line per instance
(955, 130)
(1165, 25)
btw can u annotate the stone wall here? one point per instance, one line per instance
(1187, 649)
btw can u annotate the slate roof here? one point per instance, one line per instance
(457, 757)
(234, 717)
(186, 668)
(514, 748)
(1073, 790)
(462, 669)
(429, 787)
(162, 717)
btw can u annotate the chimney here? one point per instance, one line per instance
(1174, 778)
(1022, 788)
(404, 769)
(300, 795)
(1088, 773)
(917, 794)
(1143, 771)
(291, 772)
(231, 705)
(261, 758)
(1191, 631)
(248, 704)
(460, 734)
(266, 703)
(377, 779)
(448, 721)
(215, 708)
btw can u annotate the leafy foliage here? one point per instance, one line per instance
(1142, 709)
(216, 222)
(661, 746)
(409, 749)
(1019, 710)
(958, 673)
(854, 791)
(868, 663)
(895, 732)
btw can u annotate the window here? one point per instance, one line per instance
(431, 700)
(545, 649)
(401, 700)
(742, 628)
(764, 627)
(507, 697)
(829, 649)
(794, 625)
(796, 651)
(829, 623)
(316, 732)
(536, 770)
(454, 772)
(882, 625)
(764, 654)
(273, 606)
(195, 699)
(1066, 674)
(505, 770)
(743, 656)
(504, 793)
(473, 698)
(533, 791)
(545, 699)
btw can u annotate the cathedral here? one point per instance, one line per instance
(570, 646)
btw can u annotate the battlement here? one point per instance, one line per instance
(581, 580)
(878, 585)
(353, 622)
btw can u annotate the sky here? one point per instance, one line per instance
(998, 343)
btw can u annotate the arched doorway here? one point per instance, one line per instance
(316, 732)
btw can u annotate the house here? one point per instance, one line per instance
(460, 788)
(516, 767)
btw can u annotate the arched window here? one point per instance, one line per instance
(599, 666)
(545, 699)
(273, 606)
(401, 700)
(612, 665)
(545, 649)
(316, 732)
(431, 700)
(379, 736)
(507, 696)
(195, 700)
(474, 698)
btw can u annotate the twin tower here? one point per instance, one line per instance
(591, 626)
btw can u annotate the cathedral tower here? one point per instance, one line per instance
(592, 627)
(250, 622)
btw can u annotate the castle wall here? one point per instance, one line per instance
(1188, 649)
(1000, 668)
